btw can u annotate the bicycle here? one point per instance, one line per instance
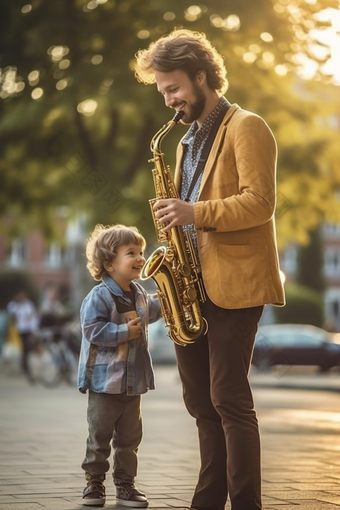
(52, 358)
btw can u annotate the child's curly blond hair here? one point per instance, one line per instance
(102, 245)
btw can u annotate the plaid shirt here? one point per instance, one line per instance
(108, 362)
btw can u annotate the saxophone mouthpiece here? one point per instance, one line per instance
(177, 117)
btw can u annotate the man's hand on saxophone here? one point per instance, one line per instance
(171, 212)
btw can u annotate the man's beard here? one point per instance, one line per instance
(196, 108)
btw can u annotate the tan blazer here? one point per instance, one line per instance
(234, 214)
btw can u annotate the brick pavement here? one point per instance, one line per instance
(43, 434)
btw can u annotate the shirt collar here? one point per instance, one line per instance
(206, 126)
(114, 287)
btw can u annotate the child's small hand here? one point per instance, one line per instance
(135, 328)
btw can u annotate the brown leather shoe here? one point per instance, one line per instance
(94, 494)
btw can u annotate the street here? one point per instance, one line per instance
(300, 445)
(43, 433)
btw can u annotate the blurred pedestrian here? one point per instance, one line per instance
(52, 308)
(4, 325)
(26, 318)
(115, 365)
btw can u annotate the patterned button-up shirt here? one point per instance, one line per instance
(193, 144)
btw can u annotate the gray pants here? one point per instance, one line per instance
(115, 418)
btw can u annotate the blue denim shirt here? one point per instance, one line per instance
(108, 362)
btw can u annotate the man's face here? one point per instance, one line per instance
(181, 93)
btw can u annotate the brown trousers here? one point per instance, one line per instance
(216, 391)
(116, 419)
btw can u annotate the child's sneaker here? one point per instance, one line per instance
(129, 495)
(94, 494)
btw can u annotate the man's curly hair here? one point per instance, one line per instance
(103, 243)
(186, 50)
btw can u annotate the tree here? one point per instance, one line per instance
(310, 263)
(75, 125)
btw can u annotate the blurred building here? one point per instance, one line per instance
(46, 262)
(65, 264)
(62, 264)
(331, 271)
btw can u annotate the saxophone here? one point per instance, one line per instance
(174, 267)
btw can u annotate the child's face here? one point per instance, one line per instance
(127, 265)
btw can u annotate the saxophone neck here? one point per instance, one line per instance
(158, 137)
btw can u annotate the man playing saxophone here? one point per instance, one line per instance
(229, 212)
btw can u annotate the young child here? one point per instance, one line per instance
(115, 365)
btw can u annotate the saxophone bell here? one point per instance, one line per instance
(153, 263)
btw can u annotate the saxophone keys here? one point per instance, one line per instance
(184, 269)
(170, 255)
(189, 294)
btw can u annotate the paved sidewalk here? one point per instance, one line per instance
(290, 377)
(43, 433)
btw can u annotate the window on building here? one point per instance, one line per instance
(331, 231)
(332, 262)
(17, 253)
(332, 308)
(289, 260)
(55, 255)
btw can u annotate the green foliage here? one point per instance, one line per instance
(83, 142)
(303, 306)
(13, 282)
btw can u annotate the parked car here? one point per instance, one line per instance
(162, 348)
(296, 344)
